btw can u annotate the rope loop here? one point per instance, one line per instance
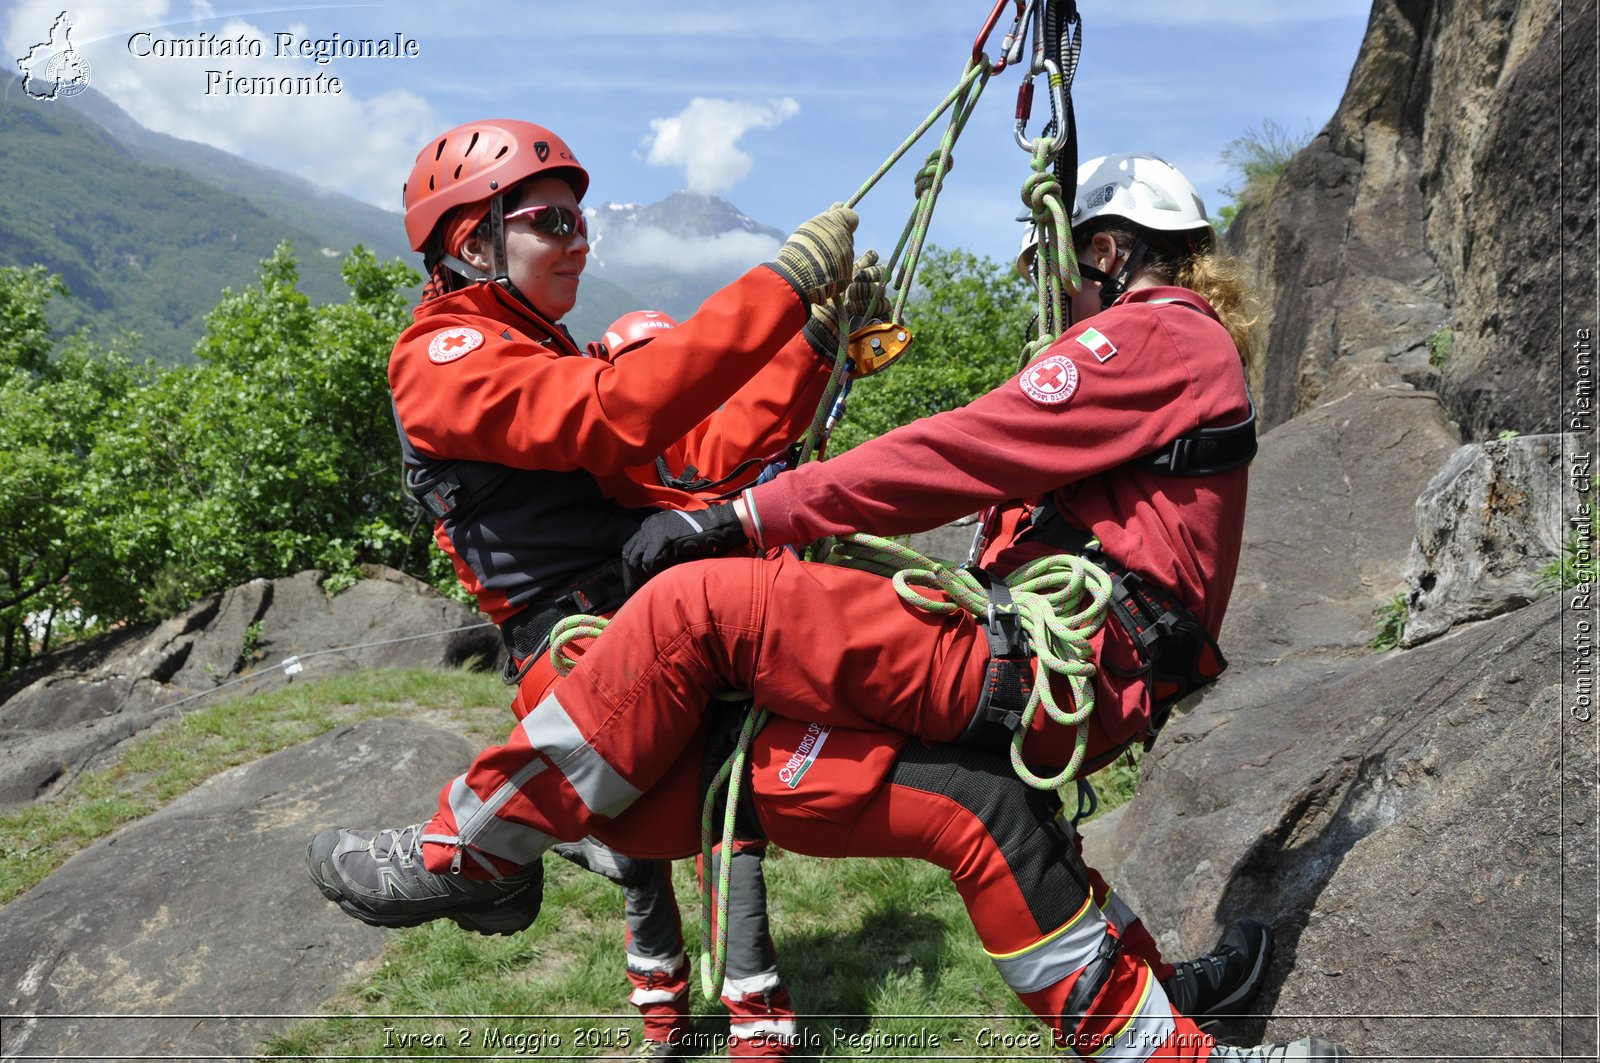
(1061, 602)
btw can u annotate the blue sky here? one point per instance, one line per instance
(782, 108)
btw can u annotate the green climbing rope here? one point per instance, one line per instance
(714, 907)
(1057, 276)
(1061, 603)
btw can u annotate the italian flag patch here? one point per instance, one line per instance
(1097, 345)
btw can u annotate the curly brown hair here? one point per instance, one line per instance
(1195, 263)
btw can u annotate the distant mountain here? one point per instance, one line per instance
(141, 248)
(338, 221)
(147, 229)
(676, 252)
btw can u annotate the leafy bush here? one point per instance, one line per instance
(1440, 343)
(1259, 156)
(129, 490)
(1391, 618)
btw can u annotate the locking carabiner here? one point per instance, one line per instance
(1042, 64)
(1007, 43)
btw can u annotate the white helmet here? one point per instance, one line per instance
(1028, 250)
(1143, 189)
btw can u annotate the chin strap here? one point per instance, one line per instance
(1111, 288)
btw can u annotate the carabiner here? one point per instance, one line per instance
(988, 29)
(1043, 63)
(1058, 106)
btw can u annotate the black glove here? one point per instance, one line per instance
(671, 536)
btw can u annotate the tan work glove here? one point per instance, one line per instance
(865, 300)
(816, 259)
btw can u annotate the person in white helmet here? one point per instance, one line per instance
(1128, 439)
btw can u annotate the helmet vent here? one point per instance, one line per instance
(503, 149)
(471, 144)
(430, 183)
(457, 174)
(438, 153)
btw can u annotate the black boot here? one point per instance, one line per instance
(1224, 980)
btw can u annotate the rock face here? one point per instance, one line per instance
(1488, 522)
(195, 933)
(108, 690)
(1436, 204)
(1392, 821)
(1345, 795)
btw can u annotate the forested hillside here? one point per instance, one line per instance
(141, 248)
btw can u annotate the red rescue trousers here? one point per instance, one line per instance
(820, 642)
(761, 1019)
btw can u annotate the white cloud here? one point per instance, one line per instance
(355, 144)
(703, 139)
(650, 248)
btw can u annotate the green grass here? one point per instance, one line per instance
(875, 951)
(1575, 566)
(1391, 617)
(175, 758)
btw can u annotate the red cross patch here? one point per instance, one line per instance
(453, 343)
(1050, 382)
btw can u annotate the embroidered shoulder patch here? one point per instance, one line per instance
(453, 343)
(1097, 344)
(1050, 382)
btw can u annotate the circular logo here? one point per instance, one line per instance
(68, 71)
(454, 343)
(1051, 381)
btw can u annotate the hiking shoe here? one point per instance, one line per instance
(1222, 981)
(378, 877)
(649, 1049)
(606, 862)
(1305, 1050)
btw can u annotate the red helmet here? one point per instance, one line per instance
(631, 331)
(472, 162)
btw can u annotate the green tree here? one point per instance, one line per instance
(275, 453)
(968, 321)
(53, 406)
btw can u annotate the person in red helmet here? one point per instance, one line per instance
(1127, 440)
(537, 461)
(761, 1019)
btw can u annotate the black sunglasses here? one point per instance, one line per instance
(552, 220)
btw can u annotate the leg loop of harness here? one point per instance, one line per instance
(1178, 655)
(530, 632)
(1008, 682)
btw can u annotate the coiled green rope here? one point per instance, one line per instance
(1061, 602)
